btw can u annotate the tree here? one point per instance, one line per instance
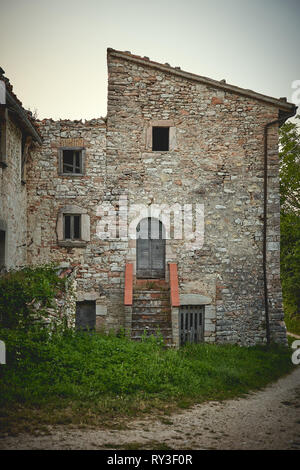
(289, 137)
(289, 155)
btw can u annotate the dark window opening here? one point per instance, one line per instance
(160, 138)
(2, 249)
(72, 227)
(72, 161)
(85, 318)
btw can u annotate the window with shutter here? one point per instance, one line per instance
(72, 226)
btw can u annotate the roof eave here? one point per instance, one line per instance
(285, 115)
(23, 117)
(282, 105)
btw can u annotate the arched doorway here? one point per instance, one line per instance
(150, 249)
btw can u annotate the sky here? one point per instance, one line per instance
(54, 52)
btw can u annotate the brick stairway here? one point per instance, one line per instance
(151, 310)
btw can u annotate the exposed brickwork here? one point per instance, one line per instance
(215, 159)
(151, 314)
(49, 192)
(13, 199)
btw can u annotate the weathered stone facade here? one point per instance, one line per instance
(215, 159)
(49, 192)
(13, 198)
(18, 134)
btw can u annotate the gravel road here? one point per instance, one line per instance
(267, 419)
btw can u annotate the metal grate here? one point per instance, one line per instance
(191, 324)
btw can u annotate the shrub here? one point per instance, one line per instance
(26, 294)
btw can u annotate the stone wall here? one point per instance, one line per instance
(13, 199)
(49, 192)
(216, 159)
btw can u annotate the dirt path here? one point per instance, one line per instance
(293, 335)
(268, 419)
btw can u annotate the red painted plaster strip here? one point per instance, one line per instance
(128, 284)
(175, 302)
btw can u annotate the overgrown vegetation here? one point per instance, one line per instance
(92, 378)
(24, 292)
(290, 270)
(290, 223)
(61, 376)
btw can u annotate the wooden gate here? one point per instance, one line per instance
(191, 323)
(150, 249)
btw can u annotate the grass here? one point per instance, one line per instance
(293, 324)
(93, 379)
(290, 339)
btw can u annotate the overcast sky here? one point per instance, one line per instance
(54, 52)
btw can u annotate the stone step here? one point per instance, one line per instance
(151, 303)
(150, 309)
(151, 325)
(151, 284)
(158, 300)
(151, 295)
(149, 320)
(151, 292)
(161, 317)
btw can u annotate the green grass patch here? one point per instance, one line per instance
(293, 324)
(91, 379)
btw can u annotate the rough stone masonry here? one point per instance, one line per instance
(215, 157)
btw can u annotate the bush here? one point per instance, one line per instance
(22, 291)
(290, 269)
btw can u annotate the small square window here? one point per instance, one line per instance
(72, 227)
(160, 139)
(72, 161)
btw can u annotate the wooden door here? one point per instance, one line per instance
(191, 324)
(150, 249)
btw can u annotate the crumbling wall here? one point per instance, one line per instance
(49, 191)
(63, 310)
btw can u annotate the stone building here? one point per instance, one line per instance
(175, 147)
(18, 134)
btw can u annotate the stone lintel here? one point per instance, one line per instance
(194, 299)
